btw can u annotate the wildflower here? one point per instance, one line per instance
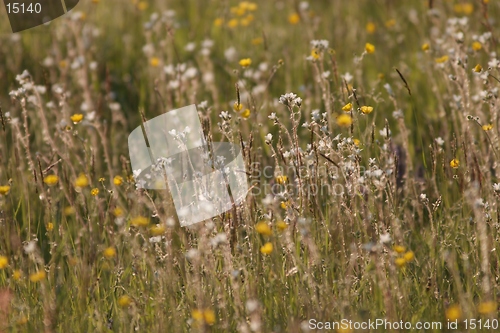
(51, 180)
(281, 225)
(400, 262)
(344, 120)
(38, 276)
(197, 315)
(390, 23)
(109, 252)
(139, 221)
(294, 18)
(69, 210)
(257, 41)
(17, 275)
(157, 230)
(290, 100)
(453, 313)
(263, 228)
(347, 107)
(409, 256)
(118, 212)
(49, 226)
(142, 5)
(487, 127)
(496, 187)
(76, 118)
(94, 192)
(476, 46)
(369, 48)
(269, 137)
(209, 317)
(284, 204)
(218, 22)
(281, 179)
(245, 62)
(357, 142)
(399, 248)
(155, 61)
(233, 23)
(4, 262)
(124, 301)
(4, 190)
(426, 47)
(370, 28)
(315, 54)
(454, 163)
(245, 114)
(118, 180)
(237, 106)
(82, 181)
(488, 307)
(266, 248)
(366, 109)
(442, 59)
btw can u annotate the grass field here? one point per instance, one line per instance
(370, 133)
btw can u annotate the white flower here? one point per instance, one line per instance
(320, 44)
(290, 100)
(496, 187)
(190, 47)
(439, 141)
(230, 54)
(269, 137)
(272, 116)
(30, 247)
(347, 77)
(385, 238)
(385, 132)
(423, 196)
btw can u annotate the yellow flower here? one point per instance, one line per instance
(478, 68)
(118, 212)
(69, 210)
(245, 114)
(399, 248)
(347, 107)
(294, 18)
(218, 22)
(464, 8)
(281, 179)
(238, 106)
(197, 315)
(4, 262)
(390, 23)
(369, 48)
(344, 120)
(315, 54)
(38, 276)
(233, 23)
(17, 275)
(487, 127)
(49, 226)
(251, 6)
(139, 221)
(257, 41)
(281, 225)
(409, 256)
(454, 312)
(76, 118)
(82, 181)
(157, 230)
(109, 252)
(4, 190)
(426, 47)
(155, 61)
(370, 28)
(94, 192)
(357, 142)
(488, 307)
(245, 22)
(442, 59)
(51, 180)
(476, 46)
(142, 5)
(245, 62)
(454, 163)
(263, 228)
(284, 204)
(209, 317)
(118, 180)
(400, 262)
(266, 248)
(366, 109)
(124, 301)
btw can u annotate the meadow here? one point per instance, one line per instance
(370, 134)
